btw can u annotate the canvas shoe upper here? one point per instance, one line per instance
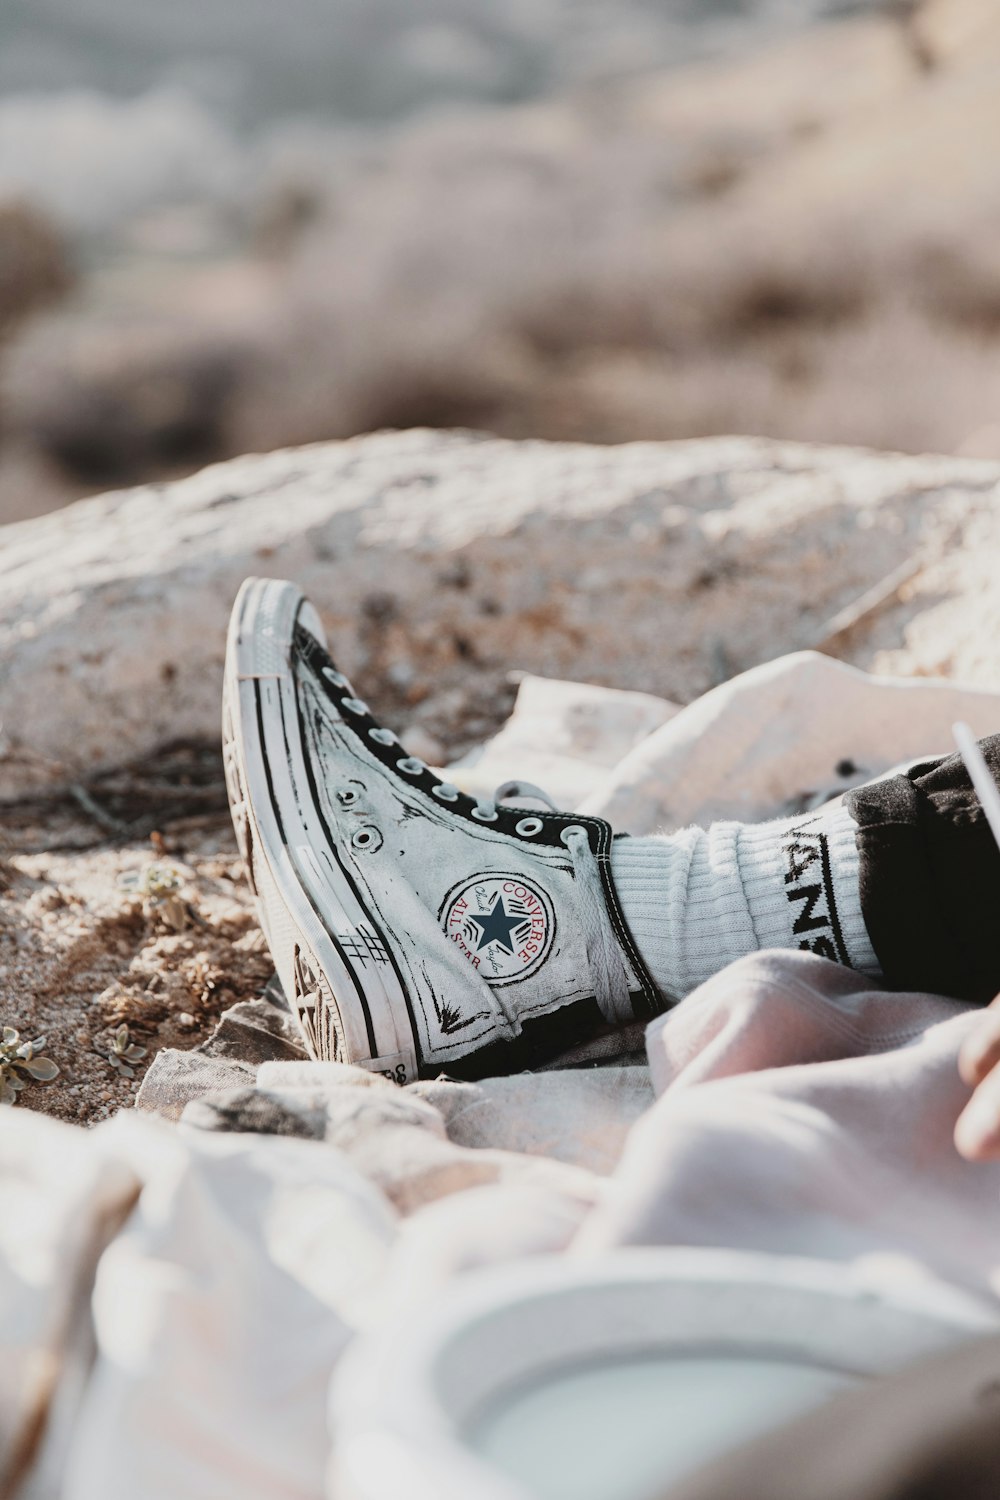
(412, 927)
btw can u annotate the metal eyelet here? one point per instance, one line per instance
(484, 815)
(445, 791)
(368, 839)
(354, 705)
(411, 766)
(347, 795)
(336, 678)
(573, 828)
(383, 737)
(528, 827)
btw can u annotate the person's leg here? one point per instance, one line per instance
(415, 927)
(901, 881)
(929, 878)
(700, 898)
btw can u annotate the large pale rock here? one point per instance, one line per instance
(442, 560)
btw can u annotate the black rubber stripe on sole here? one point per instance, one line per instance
(542, 1039)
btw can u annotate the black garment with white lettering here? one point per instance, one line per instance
(930, 878)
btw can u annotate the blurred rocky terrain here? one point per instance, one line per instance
(377, 61)
(799, 241)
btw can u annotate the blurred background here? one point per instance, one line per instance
(234, 226)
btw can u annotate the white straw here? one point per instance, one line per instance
(981, 776)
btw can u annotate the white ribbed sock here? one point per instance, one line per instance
(697, 899)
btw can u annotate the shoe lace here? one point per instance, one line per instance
(611, 988)
(516, 791)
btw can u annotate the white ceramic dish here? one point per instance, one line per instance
(556, 1379)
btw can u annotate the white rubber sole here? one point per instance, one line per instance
(317, 927)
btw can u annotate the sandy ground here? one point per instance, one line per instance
(82, 950)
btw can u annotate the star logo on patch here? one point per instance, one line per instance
(497, 926)
(503, 924)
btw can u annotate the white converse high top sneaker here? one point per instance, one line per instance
(413, 928)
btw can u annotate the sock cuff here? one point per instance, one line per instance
(683, 899)
(800, 876)
(699, 898)
(841, 832)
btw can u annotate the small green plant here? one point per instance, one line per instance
(21, 1064)
(122, 1052)
(159, 885)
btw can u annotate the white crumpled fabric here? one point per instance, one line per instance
(776, 736)
(219, 1311)
(232, 1269)
(563, 736)
(62, 1200)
